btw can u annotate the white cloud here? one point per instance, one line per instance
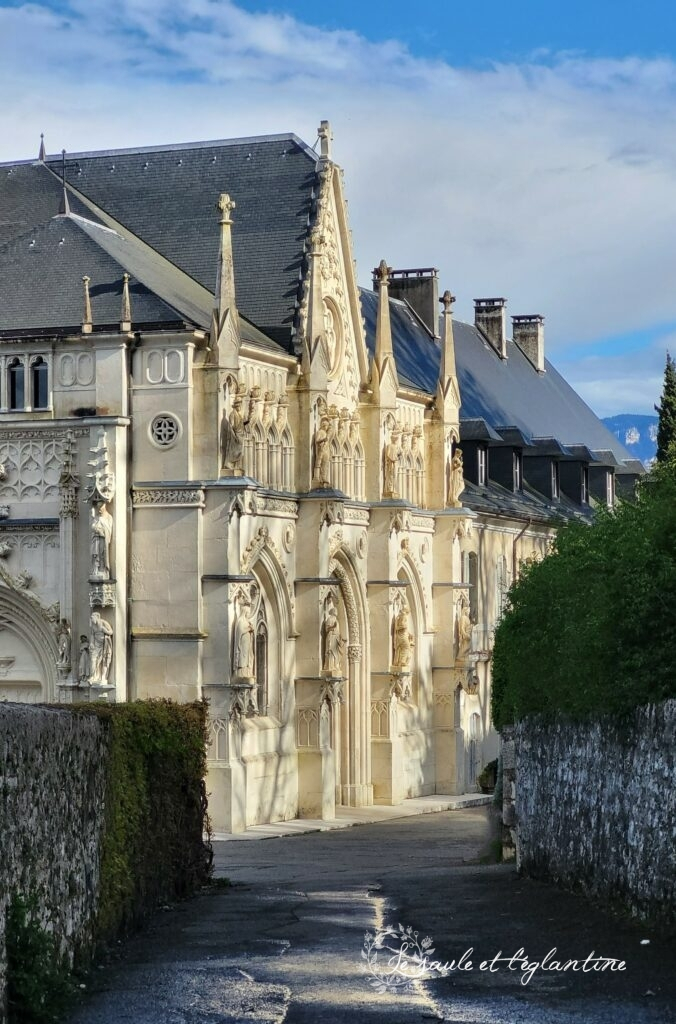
(552, 183)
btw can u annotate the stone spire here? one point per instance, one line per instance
(125, 315)
(225, 324)
(325, 139)
(87, 316)
(315, 313)
(448, 392)
(42, 154)
(384, 374)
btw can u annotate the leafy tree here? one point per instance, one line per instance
(592, 628)
(666, 429)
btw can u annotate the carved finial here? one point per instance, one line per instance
(325, 138)
(87, 317)
(43, 152)
(316, 241)
(64, 206)
(382, 273)
(225, 206)
(447, 301)
(125, 315)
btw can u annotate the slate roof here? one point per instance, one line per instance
(167, 196)
(504, 393)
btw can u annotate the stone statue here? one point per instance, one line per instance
(464, 628)
(232, 439)
(84, 662)
(334, 644)
(391, 459)
(244, 647)
(101, 651)
(63, 644)
(101, 534)
(322, 454)
(456, 484)
(404, 641)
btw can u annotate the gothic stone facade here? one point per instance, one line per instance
(259, 504)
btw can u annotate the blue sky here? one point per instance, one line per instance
(470, 32)
(526, 149)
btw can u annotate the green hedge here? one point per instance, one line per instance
(153, 849)
(592, 627)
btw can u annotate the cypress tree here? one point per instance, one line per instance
(666, 428)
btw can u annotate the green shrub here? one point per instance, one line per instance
(593, 626)
(39, 981)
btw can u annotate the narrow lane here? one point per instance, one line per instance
(284, 943)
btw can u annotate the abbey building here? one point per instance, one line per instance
(228, 471)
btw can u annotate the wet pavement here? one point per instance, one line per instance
(286, 941)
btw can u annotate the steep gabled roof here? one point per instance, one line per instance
(505, 393)
(166, 196)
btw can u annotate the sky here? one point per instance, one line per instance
(526, 149)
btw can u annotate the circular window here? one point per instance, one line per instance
(165, 430)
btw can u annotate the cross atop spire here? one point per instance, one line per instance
(125, 315)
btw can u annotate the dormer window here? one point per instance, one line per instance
(482, 460)
(517, 471)
(585, 485)
(556, 487)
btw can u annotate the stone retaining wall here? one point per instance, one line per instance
(595, 807)
(52, 786)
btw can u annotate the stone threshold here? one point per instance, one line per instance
(346, 817)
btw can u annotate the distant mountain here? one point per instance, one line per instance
(638, 434)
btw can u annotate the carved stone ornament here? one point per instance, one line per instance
(400, 687)
(243, 701)
(332, 691)
(69, 481)
(330, 512)
(101, 486)
(102, 595)
(456, 483)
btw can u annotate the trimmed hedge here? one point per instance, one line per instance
(153, 849)
(592, 627)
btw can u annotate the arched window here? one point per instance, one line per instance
(16, 382)
(39, 384)
(262, 663)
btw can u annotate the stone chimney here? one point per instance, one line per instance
(420, 288)
(528, 332)
(490, 317)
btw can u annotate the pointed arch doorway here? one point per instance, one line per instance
(350, 720)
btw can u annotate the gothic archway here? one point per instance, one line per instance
(29, 652)
(352, 717)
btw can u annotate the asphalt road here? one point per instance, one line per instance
(284, 943)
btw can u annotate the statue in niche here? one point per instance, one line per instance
(464, 627)
(334, 645)
(101, 650)
(322, 454)
(404, 641)
(244, 641)
(63, 645)
(101, 534)
(391, 458)
(84, 666)
(232, 439)
(456, 484)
